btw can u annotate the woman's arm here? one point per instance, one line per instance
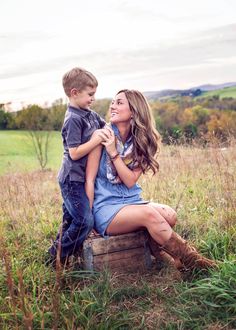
(127, 176)
(91, 172)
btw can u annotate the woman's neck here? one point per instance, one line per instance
(124, 131)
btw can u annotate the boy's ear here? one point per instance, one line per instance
(74, 92)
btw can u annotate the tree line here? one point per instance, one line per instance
(181, 119)
(186, 119)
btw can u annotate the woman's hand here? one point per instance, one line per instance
(128, 176)
(100, 135)
(110, 143)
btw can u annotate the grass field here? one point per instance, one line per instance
(199, 183)
(224, 92)
(17, 153)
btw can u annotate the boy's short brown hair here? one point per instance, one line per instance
(78, 78)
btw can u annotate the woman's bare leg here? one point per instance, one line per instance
(171, 217)
(134, 217)
(167, 212)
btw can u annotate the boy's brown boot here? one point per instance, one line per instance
(177, 247)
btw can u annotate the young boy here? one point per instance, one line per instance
(79, 124)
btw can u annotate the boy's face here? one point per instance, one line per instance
(83, 99)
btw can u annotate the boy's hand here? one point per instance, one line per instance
(100, 135)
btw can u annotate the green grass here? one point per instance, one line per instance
(17, 153)
(222, 93)
(212, 300)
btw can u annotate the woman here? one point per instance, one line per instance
(130, 149)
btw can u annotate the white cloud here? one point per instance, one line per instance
(147, 45)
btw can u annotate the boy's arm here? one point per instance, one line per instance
(91, 172)
(83, 149)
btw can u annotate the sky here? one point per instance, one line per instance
(147, 45)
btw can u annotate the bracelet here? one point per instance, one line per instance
(114, 157)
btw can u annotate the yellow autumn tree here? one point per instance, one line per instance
(222, 124)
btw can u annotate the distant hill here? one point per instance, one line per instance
(223, 90)
(211, 87)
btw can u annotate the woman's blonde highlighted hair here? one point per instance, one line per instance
(146, 138)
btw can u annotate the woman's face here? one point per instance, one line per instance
(120, 110)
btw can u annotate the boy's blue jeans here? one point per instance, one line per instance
(77, 219)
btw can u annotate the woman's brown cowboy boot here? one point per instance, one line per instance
(161, 256)
(176, 246)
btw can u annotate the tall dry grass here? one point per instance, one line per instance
(199, 183)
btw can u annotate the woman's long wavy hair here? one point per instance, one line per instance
(146, 138)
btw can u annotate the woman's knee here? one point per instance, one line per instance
(166, 212)
(171, 216)
(153, 217)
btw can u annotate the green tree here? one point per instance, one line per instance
(36, 121)
(33, 118)
(168, 120)
(6, 119)
(102, 107)
(56, 114)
